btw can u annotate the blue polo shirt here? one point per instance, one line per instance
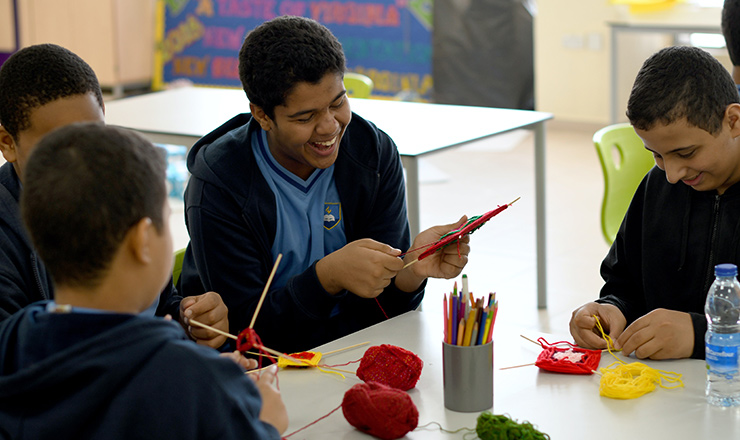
(309, 214)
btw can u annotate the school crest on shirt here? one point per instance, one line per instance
(332, 215)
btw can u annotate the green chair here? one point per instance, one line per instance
(624, 161)
(177, 267)
(358, 85)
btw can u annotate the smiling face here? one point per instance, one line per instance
(306, 131)
(695, 157)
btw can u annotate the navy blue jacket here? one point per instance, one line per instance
(230, 214)
(117, 376)
(667, 246)
(23, 276)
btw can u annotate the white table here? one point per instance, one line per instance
(182, 116)
(673, 29)
(563, 406)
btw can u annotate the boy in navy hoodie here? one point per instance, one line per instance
(304, 177)
(88, 365)
(43, 87)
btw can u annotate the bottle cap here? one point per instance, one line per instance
(725, 270)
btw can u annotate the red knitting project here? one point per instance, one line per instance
(572, 360)
(248, 339)
(380, 411)
(390, 365)
(454, 236)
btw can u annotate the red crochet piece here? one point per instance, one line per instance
(572, 360)
(380, 411)
(454, 236)
(247, 340)
(390, 365)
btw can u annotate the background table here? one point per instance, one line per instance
(182, 116)
(563, 406)
(661, 28)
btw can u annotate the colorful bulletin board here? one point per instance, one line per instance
(387, 40)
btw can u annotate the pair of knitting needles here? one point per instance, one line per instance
(457, 235)
(533, 363)
(254, 318)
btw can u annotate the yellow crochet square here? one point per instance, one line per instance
(309, 358)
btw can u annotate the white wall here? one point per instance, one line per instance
(7, 26)
(572, 54)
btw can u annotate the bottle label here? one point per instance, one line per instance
(721, 357)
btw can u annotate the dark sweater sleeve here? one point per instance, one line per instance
(225, 256)
(23, 278)
(389, 223)
(622, 267)
(169, 302)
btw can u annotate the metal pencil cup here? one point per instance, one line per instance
(468, 377)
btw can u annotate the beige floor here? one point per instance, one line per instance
(476, 178)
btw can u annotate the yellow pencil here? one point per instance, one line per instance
(469, 327)
(489, 318)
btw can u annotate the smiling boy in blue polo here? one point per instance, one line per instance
(305, 177)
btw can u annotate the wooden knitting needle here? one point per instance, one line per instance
(264, 292)
(417, 260)
(229, 335)
(517, 366)
(262, 347)
(535, 342)
(213, 329)
(409, 264)
(345, 348)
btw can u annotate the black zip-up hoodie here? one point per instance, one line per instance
(667, 246)
(230, 213)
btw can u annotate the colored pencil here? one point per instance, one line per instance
(493, 320)
(460, 331)
(469, 327)
(454, 319)
(447, 320)
(480, 336)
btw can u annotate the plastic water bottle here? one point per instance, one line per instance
(722, 310)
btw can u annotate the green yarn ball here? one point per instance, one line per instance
(500, 427)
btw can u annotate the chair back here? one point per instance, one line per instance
(358, 85)
(177, 266)
(624, 161)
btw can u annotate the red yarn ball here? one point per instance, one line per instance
(379, 410)
(390, 365)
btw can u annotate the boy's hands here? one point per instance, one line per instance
(273, 409)
(583, 324)
(246, 363)
(445, 263)
(364, 267)
(660, 334)
(208, 309)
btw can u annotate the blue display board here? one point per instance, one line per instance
(387, 40)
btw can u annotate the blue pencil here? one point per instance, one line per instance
(455, 319)
(482, 328)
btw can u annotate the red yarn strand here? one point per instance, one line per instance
(381, 308)
(314, 422)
